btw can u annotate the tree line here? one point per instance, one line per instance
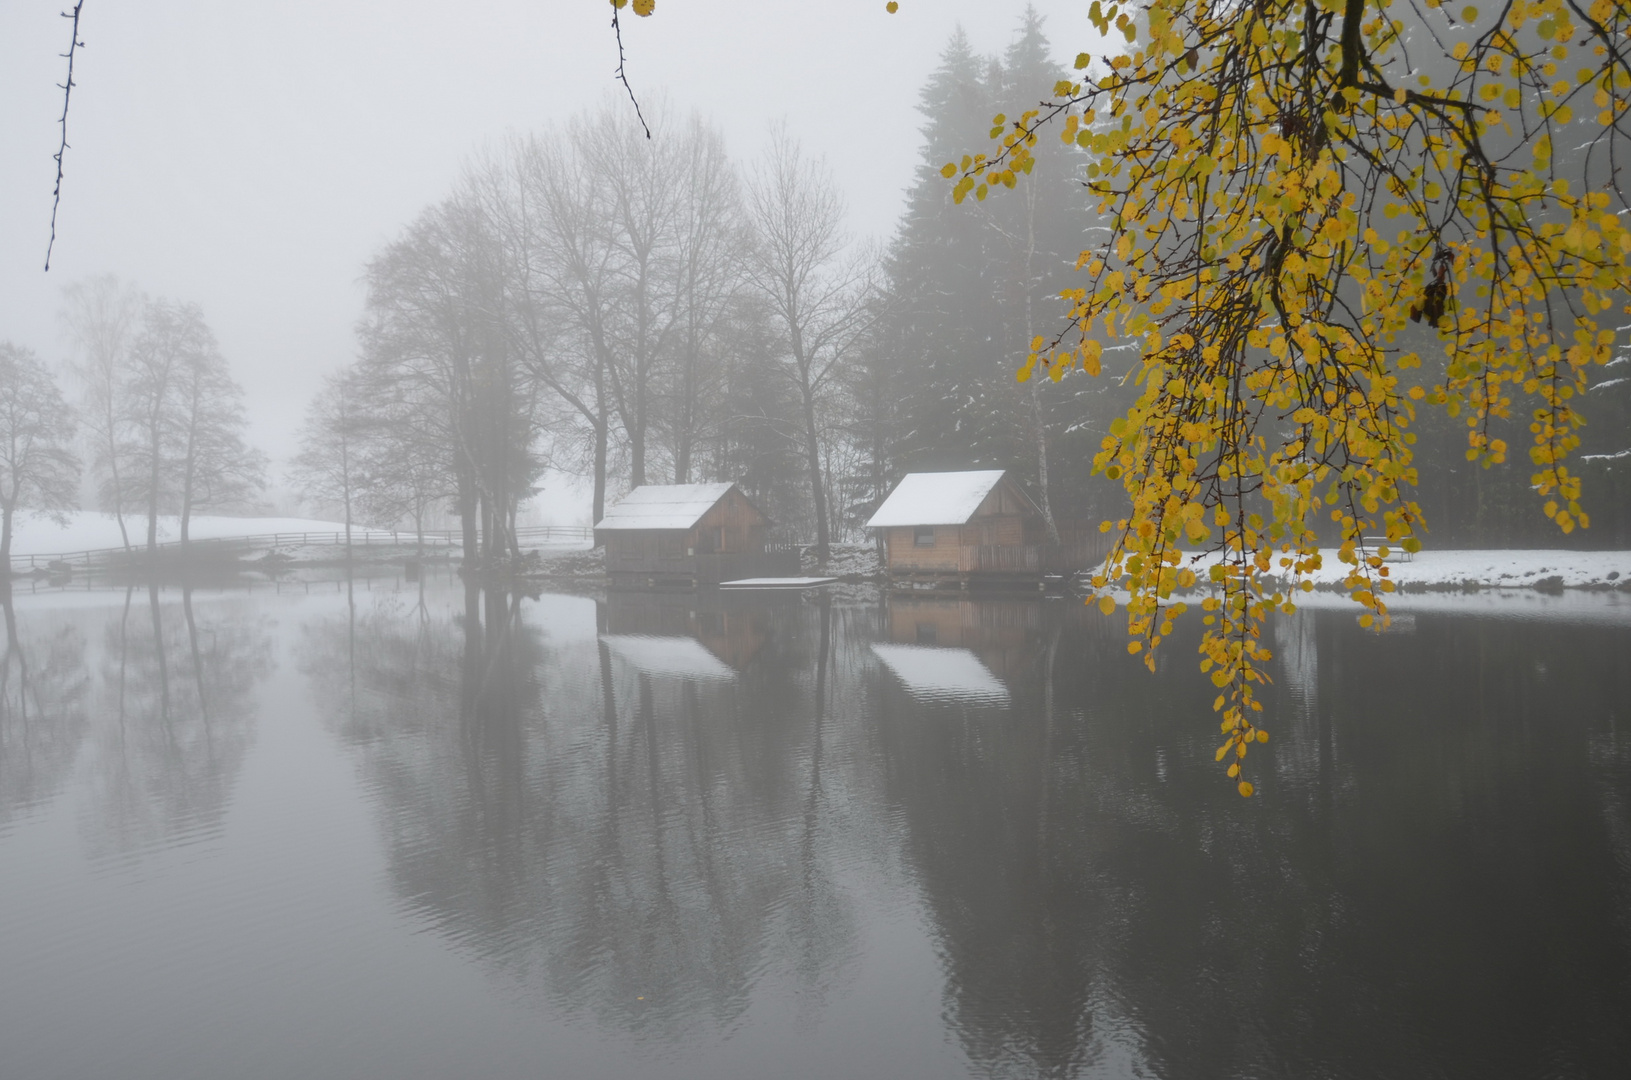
(158, 422)
(640, 310)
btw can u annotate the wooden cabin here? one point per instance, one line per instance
(661, 534)
(969, 527)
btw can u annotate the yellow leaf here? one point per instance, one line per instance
(1246, 789)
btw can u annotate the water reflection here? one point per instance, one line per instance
(649, 811)
(43, 692)
(619, 823)
(175, 717)
(697, 822)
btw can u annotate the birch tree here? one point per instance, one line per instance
(102, 316)
(801, 265)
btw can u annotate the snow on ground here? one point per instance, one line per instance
(1500, 569)
(88, 530)
(844, 561)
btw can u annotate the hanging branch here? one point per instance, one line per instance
(67, 90)
(622, 77)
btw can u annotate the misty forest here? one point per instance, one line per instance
(638, 310)
(715, 600)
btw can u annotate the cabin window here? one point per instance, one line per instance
(923, 536)
(927, 634)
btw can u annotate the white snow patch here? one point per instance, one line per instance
(944, 498)
(942, 674)
(777, 582)
(1501, 569)
(681, 657)
(88, 530)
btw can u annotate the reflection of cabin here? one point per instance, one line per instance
(689, 534)
(1005, 634)
(969, 526)
(732, 631)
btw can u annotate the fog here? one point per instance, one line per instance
(251, 158)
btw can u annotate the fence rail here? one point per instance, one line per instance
(531, 536)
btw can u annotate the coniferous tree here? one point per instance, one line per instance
(969, 286)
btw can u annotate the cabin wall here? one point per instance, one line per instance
(944, 557)
(732, 526)
(659, 550)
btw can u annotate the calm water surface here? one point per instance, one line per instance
(404, 830)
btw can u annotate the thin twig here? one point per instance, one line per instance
(67, 90)
(617, 29)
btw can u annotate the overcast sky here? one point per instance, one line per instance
(250, 157)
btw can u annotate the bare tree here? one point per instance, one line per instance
(436, 347)
(327, 467)
(712, 244)
(183, 420)
(101, 316)
(818, 291)
(38, 471)
(150, 399)
(644, 180)
(563, 262)
(216, 467)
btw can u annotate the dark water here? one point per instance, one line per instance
(407, 831)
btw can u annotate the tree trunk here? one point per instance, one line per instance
(5, 544)
(153, 496)
(118, 485)
(818, 489)
(467, 517)
(637, 434)
(1039, 429)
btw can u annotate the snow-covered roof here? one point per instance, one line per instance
(935, 498)
(938, 674)
(681, 657)
(663, 506)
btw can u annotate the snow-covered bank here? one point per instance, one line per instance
(88, 530)
(1545, 569)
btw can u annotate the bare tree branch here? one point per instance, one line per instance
(67, 91)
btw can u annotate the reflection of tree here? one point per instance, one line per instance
(1431, 873)
(175, 718)
(632, 846)
(43, 686)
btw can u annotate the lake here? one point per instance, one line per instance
(403, 829)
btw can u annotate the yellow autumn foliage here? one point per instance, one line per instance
(1291, 200)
